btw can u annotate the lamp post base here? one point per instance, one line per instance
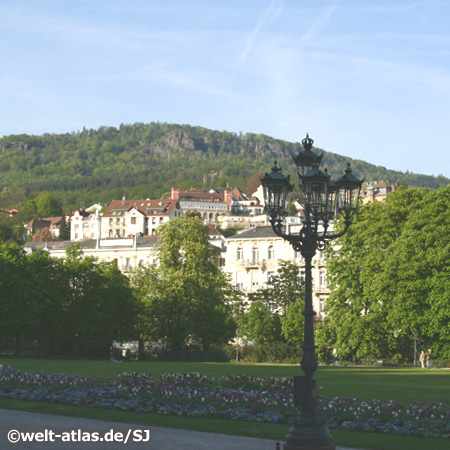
(309, 437)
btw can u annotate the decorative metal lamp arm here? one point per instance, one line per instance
(323, 199)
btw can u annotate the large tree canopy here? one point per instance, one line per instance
(65, 306)
(187, 297)
(390, 279)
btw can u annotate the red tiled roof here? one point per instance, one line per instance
(201, 195)
(146, 207)
(213, 231)
(44, 222)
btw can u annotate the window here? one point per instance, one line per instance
(323, 279)
(133, 221)
(271, 253)
(255, 278)
(255, 255)
(240, 253)
(240, 280)
(322, 305)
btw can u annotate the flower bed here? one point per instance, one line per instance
(234, 398)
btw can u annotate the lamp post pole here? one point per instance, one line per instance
(323, 200)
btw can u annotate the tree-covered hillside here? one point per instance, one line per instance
(146, 160)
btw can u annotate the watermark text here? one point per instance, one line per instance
(78, 435)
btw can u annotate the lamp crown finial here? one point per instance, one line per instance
(275, 168)
(307, 142)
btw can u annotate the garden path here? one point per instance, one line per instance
(160, 438)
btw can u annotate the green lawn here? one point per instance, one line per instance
(401, 384)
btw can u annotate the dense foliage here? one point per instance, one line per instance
(71, 306)
(390, 280)
(187, 298)
(274, 320)
(145, 161)
(78, 306)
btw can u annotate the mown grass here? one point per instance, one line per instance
(402, 384)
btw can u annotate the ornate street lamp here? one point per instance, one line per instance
(324, 199)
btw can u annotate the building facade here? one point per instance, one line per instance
(254, 255)
(126, 218)
(51, 223)
(84, 225)
(126, 253)
(376, 191)
(209, 204)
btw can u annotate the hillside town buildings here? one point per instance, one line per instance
(376, 191)
(209, 204)
(50, 223)
(126, 233)
(126, 253)
(126, 218)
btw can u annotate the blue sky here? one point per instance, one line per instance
(369, 79)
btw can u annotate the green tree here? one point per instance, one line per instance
(100, 304)
(292, 209)
(384, 280)
(417, 278)
(64, 229)
(259, 324)
(283, 288)
(187, 297)
(49, 293)
(118, 308)
(293, 323)
(19, 313)
(274, 308)
(48, 206)
(231, 231)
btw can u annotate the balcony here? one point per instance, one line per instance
(252, 264)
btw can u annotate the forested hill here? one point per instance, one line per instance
(146, 160)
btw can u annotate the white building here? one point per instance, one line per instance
(126, 253)
(253, 256)
(209, 204)
(126, 218)
(84, 225)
